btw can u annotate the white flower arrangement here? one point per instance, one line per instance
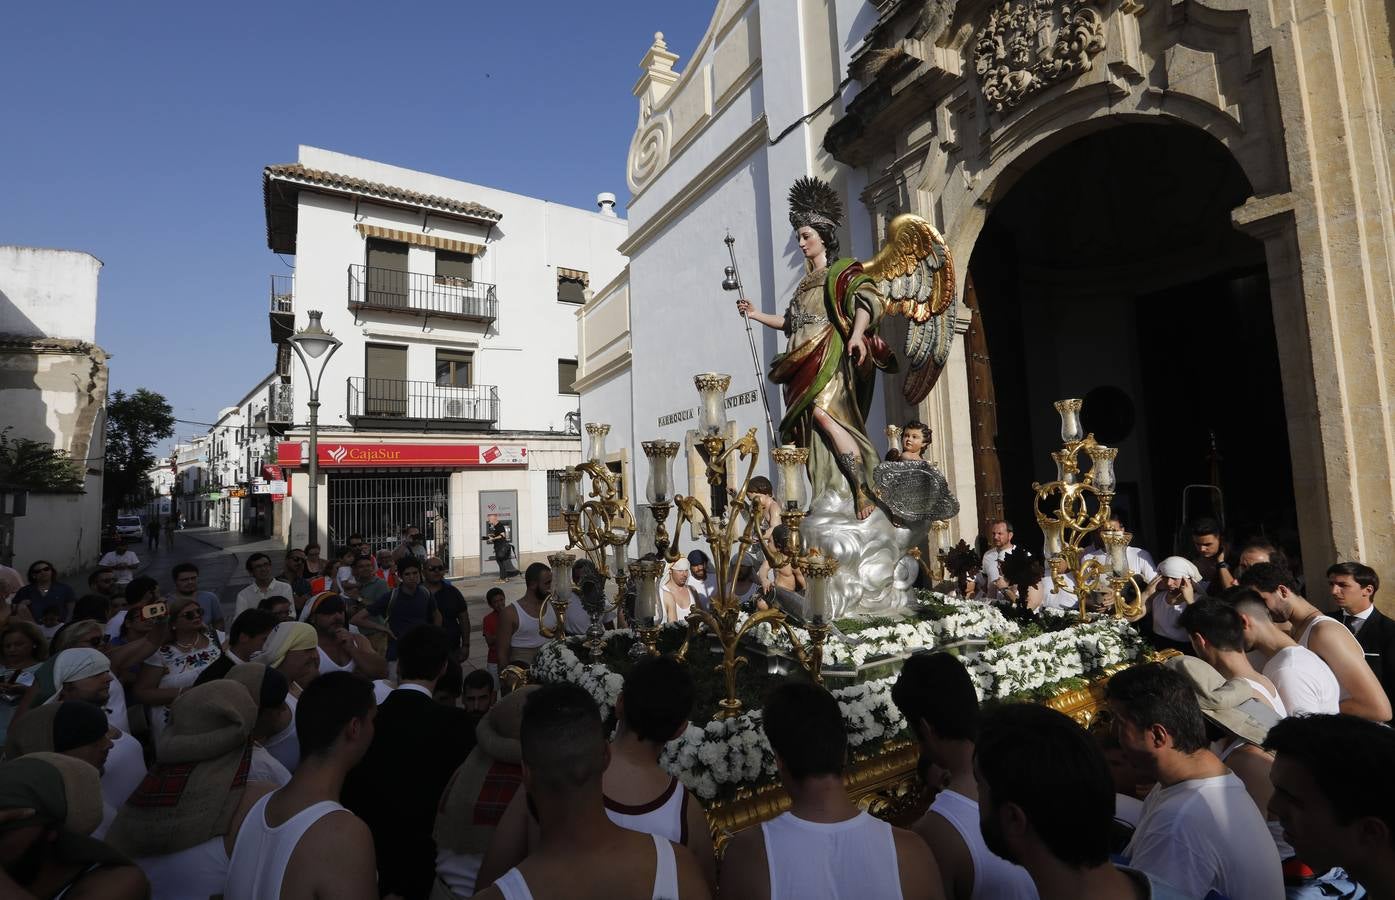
(970, 620)
(1027, 665)
(731, 752)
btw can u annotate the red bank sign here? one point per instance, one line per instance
(453, 456)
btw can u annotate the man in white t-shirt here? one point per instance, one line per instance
(1304, 682)
(121, 560)
(701, 578)
(263, 585)
(1200, 830)
(990, 581)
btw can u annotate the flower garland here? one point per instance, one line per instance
(969, 620)
(730, 752)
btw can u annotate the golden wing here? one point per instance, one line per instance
(915, 275)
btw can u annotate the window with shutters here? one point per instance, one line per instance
(571, 287)
(555, 520)
(566, 376)
(454, 268)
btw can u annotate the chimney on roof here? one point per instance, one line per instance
(606, 203)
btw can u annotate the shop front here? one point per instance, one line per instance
(375, 490)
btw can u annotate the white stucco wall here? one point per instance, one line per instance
(762, 66)
(48, 293)
(518, 353)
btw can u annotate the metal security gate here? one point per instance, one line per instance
(379, 506)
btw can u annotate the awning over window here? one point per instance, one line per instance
(419, 239)
(574, 275)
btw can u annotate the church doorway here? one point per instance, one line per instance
(1110, 271)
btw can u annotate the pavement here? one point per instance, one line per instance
(222, 556)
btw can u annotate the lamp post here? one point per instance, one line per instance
(314, 345)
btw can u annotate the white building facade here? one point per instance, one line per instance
(715, 150)
(241, 463)
(452, 394)
(53, 391)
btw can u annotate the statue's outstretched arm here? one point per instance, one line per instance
(748, 309)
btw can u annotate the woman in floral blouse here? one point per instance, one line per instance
(192, 646)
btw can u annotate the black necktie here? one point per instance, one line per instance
(1352, 622)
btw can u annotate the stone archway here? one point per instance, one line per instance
(960, 99)
(1132, 288)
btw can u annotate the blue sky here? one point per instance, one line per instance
(138, 131)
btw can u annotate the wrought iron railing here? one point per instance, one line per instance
(279, 407)
(283, 293)
(416, 292)
(422, 400)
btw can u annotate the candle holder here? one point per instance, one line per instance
(646, 574)
(893, 438)
(1075, 505)
(597, 432)
(658, 490)
(940, 528)
(560, 596)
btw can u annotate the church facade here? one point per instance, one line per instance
(1179, 210)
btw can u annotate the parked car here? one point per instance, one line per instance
(130, 527)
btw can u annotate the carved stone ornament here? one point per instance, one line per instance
(1029, 45)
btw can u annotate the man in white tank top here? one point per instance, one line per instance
(936, 695)
(824, 847)
(298, 843)
(519, 633)
(1304, 682)
(341, 650)
(1217, 634)
(652, 709)
(1362, 694)
(581, 852)
(1048, 804)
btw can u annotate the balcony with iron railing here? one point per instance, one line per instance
(282, 307)
(389, 402)
(420, 294)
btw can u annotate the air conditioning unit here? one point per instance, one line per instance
(455, 409)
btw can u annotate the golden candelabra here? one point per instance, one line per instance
(1076, 505)
(730, 529)
(601, 525)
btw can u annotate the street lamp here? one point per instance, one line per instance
(314, 345)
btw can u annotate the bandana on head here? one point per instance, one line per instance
(325, 602)
(284, 638)
(1177, 567)
(76, 664)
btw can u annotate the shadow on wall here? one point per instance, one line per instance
(21, 395)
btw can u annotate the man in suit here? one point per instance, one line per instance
(1354, 587)
(417, 745)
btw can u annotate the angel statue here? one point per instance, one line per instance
(827, 374)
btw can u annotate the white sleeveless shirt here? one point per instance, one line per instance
(528, 636)
(329, 665)
(666, 816)
(1307, 636)
(513, 887)
(261, 852)
(994, 877)
(813, 860)
(1274, 699)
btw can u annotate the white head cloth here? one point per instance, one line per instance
(1177, 567)
(75, 664)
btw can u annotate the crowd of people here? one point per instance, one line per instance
(327, 742)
